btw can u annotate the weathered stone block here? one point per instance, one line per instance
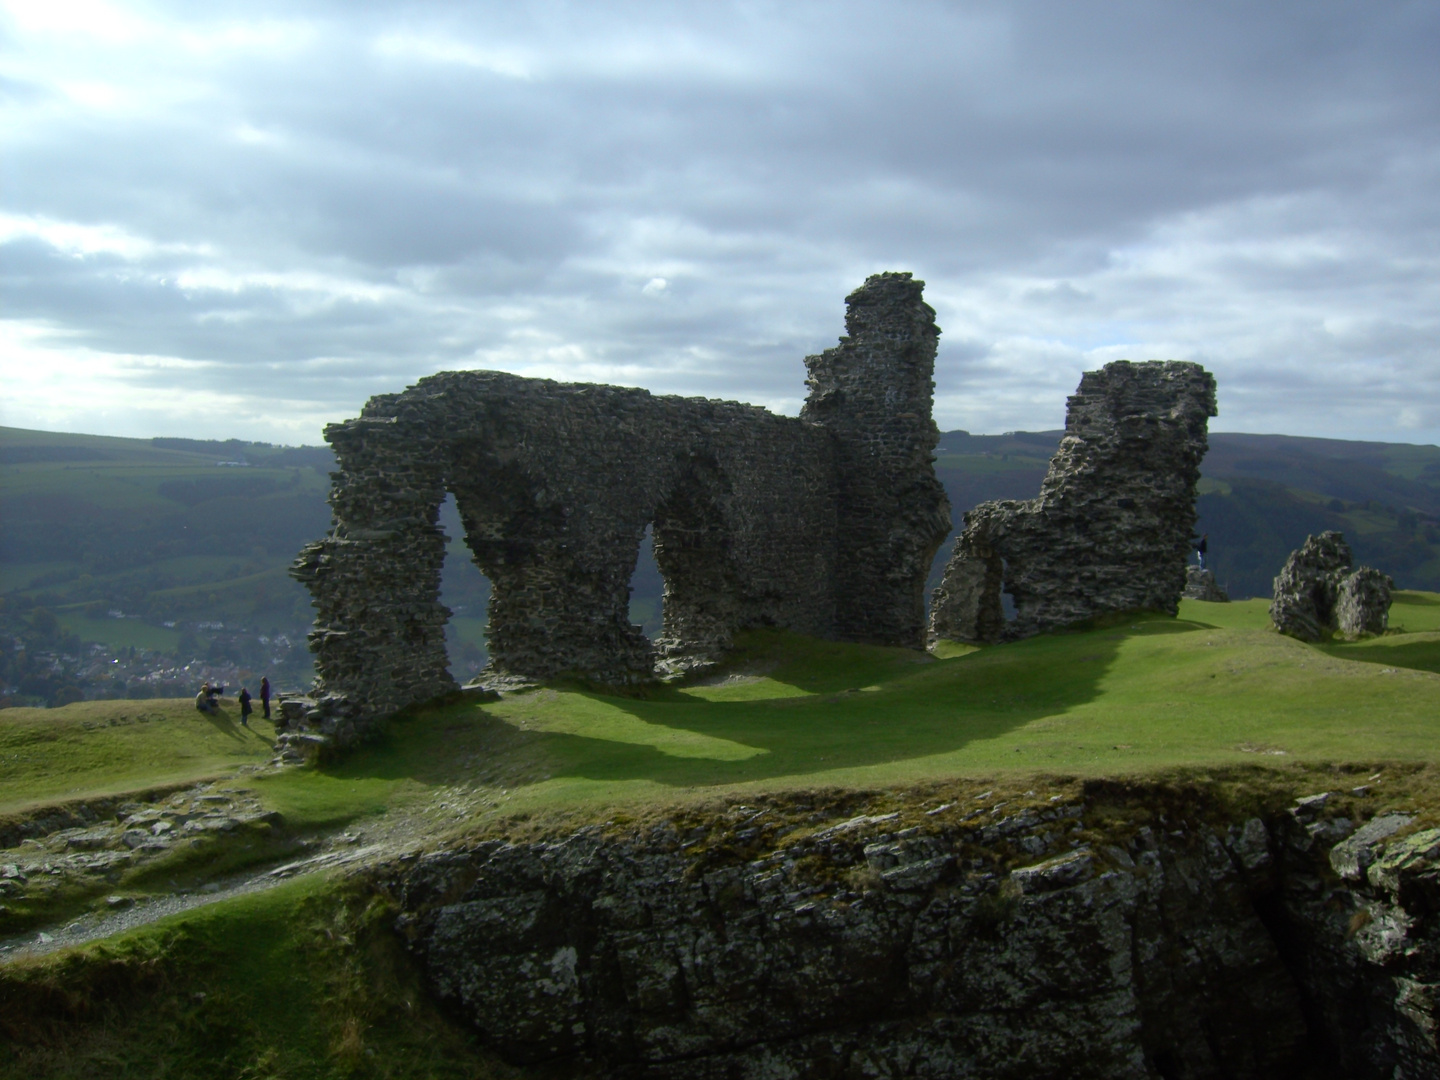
(1317, 593)
(1201, 585)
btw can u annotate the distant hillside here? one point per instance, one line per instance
(1260, 496)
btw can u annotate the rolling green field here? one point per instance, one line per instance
(306, 979)
(1213, 687)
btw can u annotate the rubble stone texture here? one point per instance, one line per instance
(1111, 528)
(1317, 593)
(825, 524)
(1174, 947)
(1201, 585)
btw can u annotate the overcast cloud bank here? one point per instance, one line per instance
(243, 224)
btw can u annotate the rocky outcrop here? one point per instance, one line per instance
(1201, 585)
(1317, 593)
(824, 524)
(1111, 528)
(1362, 608)
(965, 940)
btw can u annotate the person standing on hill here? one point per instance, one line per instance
(245, 709)
(1201, 547)
(265, 696)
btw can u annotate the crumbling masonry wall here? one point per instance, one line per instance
(1111, 527)
(824, 524)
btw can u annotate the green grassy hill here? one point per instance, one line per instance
(305, 978)
(1215, 687)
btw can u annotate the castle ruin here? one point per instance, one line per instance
(1111, 527)
(825, 524)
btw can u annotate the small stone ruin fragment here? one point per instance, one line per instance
(1317, 593)
(1201, 585)
(1111, 527)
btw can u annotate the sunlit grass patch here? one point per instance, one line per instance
(95, 748)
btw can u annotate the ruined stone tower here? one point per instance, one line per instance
(873, 394)
(1111, 527)
(823, 524)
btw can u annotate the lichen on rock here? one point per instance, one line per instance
(1185, 942)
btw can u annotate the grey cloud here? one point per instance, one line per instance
(763, 159)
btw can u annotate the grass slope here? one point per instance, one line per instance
(306, 981)
(96, 748)
(300, 981)
(1214, 687)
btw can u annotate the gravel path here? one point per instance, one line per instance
(103, 924)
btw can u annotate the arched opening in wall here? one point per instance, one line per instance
(647, 586)
(693, 554)
(1007, 601)
(466, 592)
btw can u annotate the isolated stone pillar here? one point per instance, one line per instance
(1110, 530)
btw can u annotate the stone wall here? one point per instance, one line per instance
(825, 524)
(1112, 525)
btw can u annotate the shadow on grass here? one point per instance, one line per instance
(925, 707)
(1417, 655)
(227, 725)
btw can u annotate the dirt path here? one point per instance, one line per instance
(399, 830)
(102, 924)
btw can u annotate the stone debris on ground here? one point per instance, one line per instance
(134, 832)
(1201, 585)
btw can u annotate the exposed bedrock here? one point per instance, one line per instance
(1015, 943)
(1317, 593)
(824, 524)
(1111, 528)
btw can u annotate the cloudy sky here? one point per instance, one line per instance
(244, 222)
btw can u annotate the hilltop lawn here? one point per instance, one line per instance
(1214, 687)
(96, 748)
